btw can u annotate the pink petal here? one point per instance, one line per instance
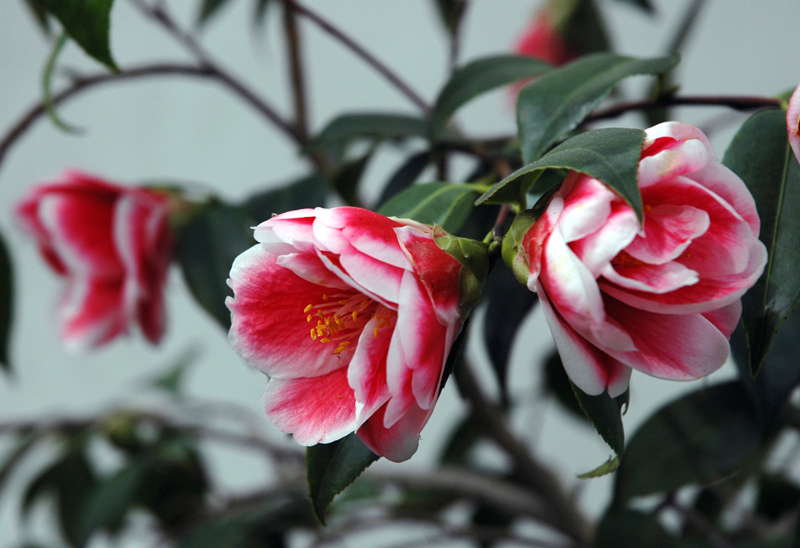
(587, 205)
(269, 327)
(727, 185)
(91, 312)
(533, 243)
(588, 367)
(668, 231)
(399, 442)
(366, 373)
(367, 232)
(597, 249)
(726, 318)
(314, 410)
(669, 154)
(793, 122)
(658, 279)
(309, 267)
(293, 228)
(669, 346)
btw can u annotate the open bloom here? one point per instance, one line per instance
(352, 315)
(112, 244)
(662, 298)
(793, 122)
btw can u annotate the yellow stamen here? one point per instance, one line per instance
(308, 308)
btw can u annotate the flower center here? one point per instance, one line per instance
(342, 317)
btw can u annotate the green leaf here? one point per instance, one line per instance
(306, 192)
(444, 204)
(558, 101)
(451, 13)
(605, 414)
(376, 126)
(206, 248)
(459, 445)
(346, 179)
(172, 380)
(697, 439)
(608, 467)
(610, 155)
(585, 32)
(15, 456)
(87, 22)
(777, 496)
(405, 176)
(333, 466)
(6, 303)
(208, 9)
(39, 12)
(479, 77)
(47, 76)
(631, 529)
(760, 154)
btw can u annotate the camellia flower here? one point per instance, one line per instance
(662, 298)
(112, 244)
(352, 315)
(542, 39)
(793, 122)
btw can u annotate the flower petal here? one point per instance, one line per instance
(314, 410)
(366, 373)
(587, 205)
(91, 312)
(659, 279)
(668, 230)
(793, 122)
(598, 249)
(399, 442)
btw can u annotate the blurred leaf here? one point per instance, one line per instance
(460, 443)
(172, 380)
(608, 467)
(87, 22)
(13, 458)
(631, 529)
(760, 154)
(39, 11)
(6, 303)
(558, 384)
(206, 248)
(479, 77)
(260, 11)
(333, 466)
(451, 13)
(508, 304)
(406, 175)
(376, 126)
(305, 192)
(776, 496)
(585, 31)
(646, 5)
(699, 438)
(208, 9)
(47, 76)
(605, 414)
(610, 155)
(444, 204)
(558, 101)
(347, 178)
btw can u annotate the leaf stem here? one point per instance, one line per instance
(361, 52)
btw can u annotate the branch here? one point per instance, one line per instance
(296, 69)
(361, 52)
(561, 512)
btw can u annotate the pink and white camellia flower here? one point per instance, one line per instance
(112, 244)
(542, 39)
(793, 122)
(352, 315)
(662, 298)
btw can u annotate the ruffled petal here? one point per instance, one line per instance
(587, 205)
(726, 318)
(659, 279)
(365, 231)
(727, 185)
(597, 249)
(366, 373)
(398, 442)
(668, 230)
(314, 410)
(91, 312)
(588, 367)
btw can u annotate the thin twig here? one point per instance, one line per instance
(293, 44)
(361, 52)
(563, 513)
(735, 102)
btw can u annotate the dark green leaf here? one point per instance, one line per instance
(776, 496)
(631, 529)
(405, 176)
(39, 12)
(347, 178)
(6, 303)
(333, 466)
(206, 248)
(451, 13)
(460, 444)
(646, 5)
(76, 482)
(477, 78)
(172, 380)
(208, 9)
(87, 22)
(610, 155)
(558, 101)
(444, 204)
(761, 156)
(608, 467)
(306, 192)
(605, 413)
(699, 438)
(558, 384)
(509, 303)
(376, 126)
(585, 31)
(13, 458)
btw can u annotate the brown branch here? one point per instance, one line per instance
(296, 68)
(742, 103)
(361, 52)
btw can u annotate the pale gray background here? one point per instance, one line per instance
(189, 130)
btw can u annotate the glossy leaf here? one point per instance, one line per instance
(697, 439)
(557, 102)
(444, 204)
(479, 77)
(6, 303)
(610, 155)
(378, 126)
(306, 192)
(605, 414)
(405, 176)
(87, 22)
(206, 248)
(333, 466)
(760, 154)
(509, 303)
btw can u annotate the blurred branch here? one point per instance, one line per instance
(361, 52)
(296, 68)
(561, 512)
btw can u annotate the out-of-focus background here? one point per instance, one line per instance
(174, 129)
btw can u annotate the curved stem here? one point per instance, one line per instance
(361, 52)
